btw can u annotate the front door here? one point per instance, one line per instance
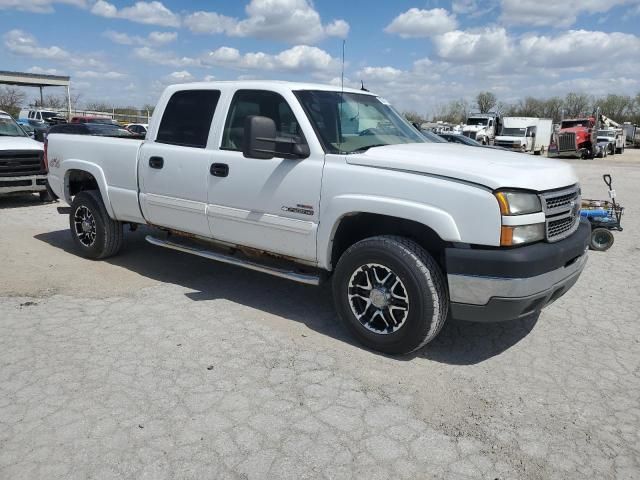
(174, 167)
(271, 205)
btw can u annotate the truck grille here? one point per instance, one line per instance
(21, 163)
(567, 142)
(562, 212)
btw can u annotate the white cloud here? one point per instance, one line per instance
(556, 13)
(381, 74)
(337, 28)
(179, 77)
(164, 57)
(38, 6)
(422, 23)
(209, 22)
(154, 38)
(292, 21)
(151, 13)
(99, 75)
(481, 46)
(44, 71)
(24, 44)
(297, 59)
(578, 49)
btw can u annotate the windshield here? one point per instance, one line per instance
(514, 132)
(478, 121)
(606, 133)
(574, 123)
(432, 137)
(9, 128)
(354, 122)
(48, 115)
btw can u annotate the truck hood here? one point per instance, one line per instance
(19, 143)
(473, 128)
(484, 166)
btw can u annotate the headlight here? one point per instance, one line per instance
(521, 234)
(518, 203)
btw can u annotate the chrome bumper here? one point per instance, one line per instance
(27, 183)
(478, 290)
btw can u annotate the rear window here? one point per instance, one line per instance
(187, 119)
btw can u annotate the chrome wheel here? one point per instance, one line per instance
(85, 226)
(378, 299)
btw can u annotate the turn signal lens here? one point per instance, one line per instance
(520, 234)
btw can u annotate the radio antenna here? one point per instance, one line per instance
(342, 73)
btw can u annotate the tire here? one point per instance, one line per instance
(421, 289)
(612, 149)
(100, 237)
(601, 240)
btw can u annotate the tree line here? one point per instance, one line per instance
(620, 108)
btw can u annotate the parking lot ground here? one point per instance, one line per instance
(156, 364)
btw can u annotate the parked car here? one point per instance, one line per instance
(138, 128)
(462, 140)
(22, 164)
(36, 115)
(96, 129)
(311, 182)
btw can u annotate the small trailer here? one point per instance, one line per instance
(604, 216)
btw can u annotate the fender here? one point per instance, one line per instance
(343, 205)
(93, 169)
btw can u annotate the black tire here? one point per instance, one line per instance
(601, 240)
(106, 233)
(421, 280)
(612, 149)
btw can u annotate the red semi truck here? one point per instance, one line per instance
(576, 138)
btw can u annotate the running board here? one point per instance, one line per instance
(306, 278)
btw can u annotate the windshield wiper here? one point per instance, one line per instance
(364, 149)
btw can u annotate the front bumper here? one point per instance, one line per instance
(27, 183)
(507, 284)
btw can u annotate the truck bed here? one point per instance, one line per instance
(116, 171)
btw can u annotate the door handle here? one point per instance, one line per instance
(219, 169)
(156, 162)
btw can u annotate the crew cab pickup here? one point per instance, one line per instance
(312, 183)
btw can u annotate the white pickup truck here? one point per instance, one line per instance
(309, 182)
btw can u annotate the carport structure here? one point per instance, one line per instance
(22, 79)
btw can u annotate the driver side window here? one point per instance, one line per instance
(258, 102)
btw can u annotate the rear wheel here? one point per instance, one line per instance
(95, 234)
(601, 239)
(390, 293)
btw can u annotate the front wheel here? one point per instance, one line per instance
(95, 234)
(391, 294)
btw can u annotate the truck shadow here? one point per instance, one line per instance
(459, 343)
(19, 200)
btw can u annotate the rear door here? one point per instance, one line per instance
(173, 168)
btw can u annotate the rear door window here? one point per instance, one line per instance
(187, 118)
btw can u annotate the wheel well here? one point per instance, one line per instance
(79, 180)
(356, 227)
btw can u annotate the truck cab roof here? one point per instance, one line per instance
(275, 85)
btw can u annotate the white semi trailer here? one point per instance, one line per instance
(525, 134)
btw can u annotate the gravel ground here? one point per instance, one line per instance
(156, 364)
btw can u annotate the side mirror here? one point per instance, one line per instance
(259, 137)
(260, 141)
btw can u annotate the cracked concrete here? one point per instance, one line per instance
(157, 365)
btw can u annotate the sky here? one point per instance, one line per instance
(419, 55)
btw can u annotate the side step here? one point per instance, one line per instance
(306, 278)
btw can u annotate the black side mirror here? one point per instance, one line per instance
(259, 137)
(260, 141)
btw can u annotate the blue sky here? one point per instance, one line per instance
(417, 54)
